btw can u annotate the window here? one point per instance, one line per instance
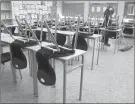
(93, 9)
(131, 9)
(98, 9)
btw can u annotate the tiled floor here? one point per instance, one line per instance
(112, 81)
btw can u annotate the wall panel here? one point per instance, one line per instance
(73, 9)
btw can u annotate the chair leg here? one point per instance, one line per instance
(20, 74)
(3, 68)
(116, 41)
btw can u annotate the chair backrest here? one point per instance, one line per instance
(61, 39)
(5, 27)
(112, 23)
(21, 32)
(38, 34)
(91, 24)
(19, 60)
(5, 57)
(81, 42)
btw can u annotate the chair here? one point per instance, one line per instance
(81, 43)
(38, 33)
(61, 39)
(127, 28)
(113, 35)
(5, 57)
(12, 30)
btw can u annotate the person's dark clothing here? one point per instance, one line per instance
(105, 38)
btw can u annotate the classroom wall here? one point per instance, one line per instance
(73, 9)
(120, 9)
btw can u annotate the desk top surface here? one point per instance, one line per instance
(86, 27)
(78, 52)
(117, 30)
(8, 39)
(12, 25)
(94, 36)
(133, 27)
(68, 33)
(59, 31)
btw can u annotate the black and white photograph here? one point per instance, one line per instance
(67, 51)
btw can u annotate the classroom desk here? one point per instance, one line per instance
(64, 60)
(98, 38)
(118, 32)
(96, 28)
(133, 27)
(6, 38)
(71, 33)
(67, 33)
(87, 27)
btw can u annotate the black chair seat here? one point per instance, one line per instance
(5, 57)
(38, 35)
(61, 39)
(85, 34)
(128, 31)
(112, 35)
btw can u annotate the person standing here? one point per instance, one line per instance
(107, 15)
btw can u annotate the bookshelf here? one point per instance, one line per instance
(6, 11)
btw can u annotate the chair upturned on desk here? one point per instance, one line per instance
(12, 27)
(119, 33)
(64, 60)
(6, 38)
(71, 33)
(132, 27)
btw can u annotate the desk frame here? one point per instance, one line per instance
(118, 34)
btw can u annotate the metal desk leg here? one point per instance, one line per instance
(53, 65)
(98, 51)
(133, 33)
(30, 62)
(116, 41)
(93, 55)
(81, 81)
(102, 44)
(68, 40)
(13, 69)
(121, 33)
(13, 73)
(64, 81)
(35, 82)
(88, 42)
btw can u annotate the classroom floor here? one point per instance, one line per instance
(112, 81)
